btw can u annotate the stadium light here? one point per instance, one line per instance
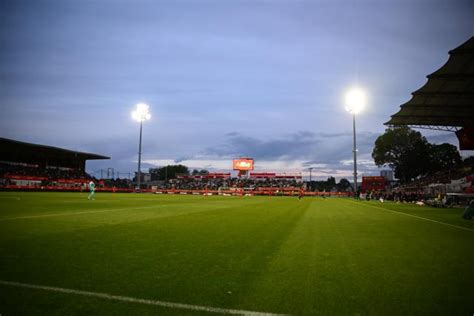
(355, 100)
(140, 114)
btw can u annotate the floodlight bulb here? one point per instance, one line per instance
(355, 100)
(141, 112)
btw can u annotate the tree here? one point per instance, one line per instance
(343, 185)
(167, 172)
(468, 162)
(199, 172)
(327, 185)
(331, 182)
(154, 173)
(444, 157)
(404, 150)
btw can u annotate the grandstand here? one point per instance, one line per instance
(262, 183)
(33, 166)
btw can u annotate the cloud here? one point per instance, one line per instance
(312, 148)
(439, 138)
(289, 147)
(183, 158)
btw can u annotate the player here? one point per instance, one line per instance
(301, 194)
(469, 211)
(92, 189)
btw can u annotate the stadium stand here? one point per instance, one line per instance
(442, 189)
(193, 183)
(224, 184)
(32, 166)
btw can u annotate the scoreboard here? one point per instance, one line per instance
(242, 164)
(373, 183)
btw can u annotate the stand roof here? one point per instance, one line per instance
(446, 101)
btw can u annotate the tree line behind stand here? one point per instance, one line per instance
(329, 185)
(170, 172)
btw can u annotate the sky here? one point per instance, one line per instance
(223, 79)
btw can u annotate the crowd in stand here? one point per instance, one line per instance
(49, 175)
(215, 184)
(434, 187)
(441, 177)
(9, 170)
(116, 183)
(431, 189)
(10, 173)
(396, 196)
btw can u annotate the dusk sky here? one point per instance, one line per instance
(263, 79)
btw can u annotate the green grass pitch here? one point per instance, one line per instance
(316, 256)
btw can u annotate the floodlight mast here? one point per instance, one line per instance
(355, 102)
(140, 114)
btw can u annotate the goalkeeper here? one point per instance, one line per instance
(92, 189)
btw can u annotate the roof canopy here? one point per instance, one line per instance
(446, 101)
(16, 151)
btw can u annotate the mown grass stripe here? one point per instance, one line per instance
(79, 213)
(72, 212)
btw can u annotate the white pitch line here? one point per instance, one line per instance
(78, 213)
(139, 300)
(419, 217)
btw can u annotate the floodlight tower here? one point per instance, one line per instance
(355, 101)
(140, 114)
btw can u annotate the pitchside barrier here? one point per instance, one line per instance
(285, 191)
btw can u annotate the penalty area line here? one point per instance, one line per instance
(419, 217)
(128, 299)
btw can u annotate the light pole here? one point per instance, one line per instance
(140, 114)
(310, 182)
(355, 102)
